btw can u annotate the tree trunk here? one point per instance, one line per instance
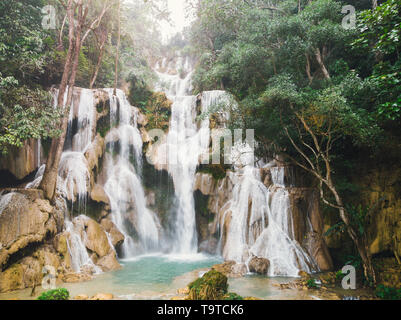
(49, 180)
(320, 61)
(360, 242)
(117, 53)
(99, 62)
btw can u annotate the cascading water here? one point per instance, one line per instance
(261, 225)
(123, 185)
(76, 247)
(187, 140)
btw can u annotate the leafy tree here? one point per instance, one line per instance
(381, 34)
(25, 107)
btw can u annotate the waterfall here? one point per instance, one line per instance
(186, 141)
(123, 185)
(260, 224)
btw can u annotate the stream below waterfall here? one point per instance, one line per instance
(158, 276)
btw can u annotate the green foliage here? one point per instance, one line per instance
(339, 276)
(388, 293)
(380, 35)
(232, 296)
(311, 283)
(359, 219)
(157, 111)
(353, 260)
(212, 286)
(25, 113)
(55, 294)
(26, 109)
(23, 50)
(139, 91)
(218, 171)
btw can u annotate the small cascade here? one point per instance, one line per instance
(260, 224)
(123, 186)
(76, 247)
(5, 200)
(80, 121)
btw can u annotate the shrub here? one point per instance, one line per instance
(388, 293)
(232, 296)
(55, 294)
(311, 284)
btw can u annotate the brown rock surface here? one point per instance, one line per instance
(259, 265)
(99, 195)
(24, 222)
(117, 238)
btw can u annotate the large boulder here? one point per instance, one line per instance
(109, 262)
(259, 265)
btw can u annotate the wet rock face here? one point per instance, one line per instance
(24, 222)
(117, 238)
(27, 272)
(259, 265)
(96, 241)
(20, 162)
(308, 225)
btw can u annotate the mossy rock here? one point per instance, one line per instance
(232, 296)
(212, 286)
(158, 111)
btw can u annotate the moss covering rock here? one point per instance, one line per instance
(211, 286)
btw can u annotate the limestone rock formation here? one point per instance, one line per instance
(24, 223)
